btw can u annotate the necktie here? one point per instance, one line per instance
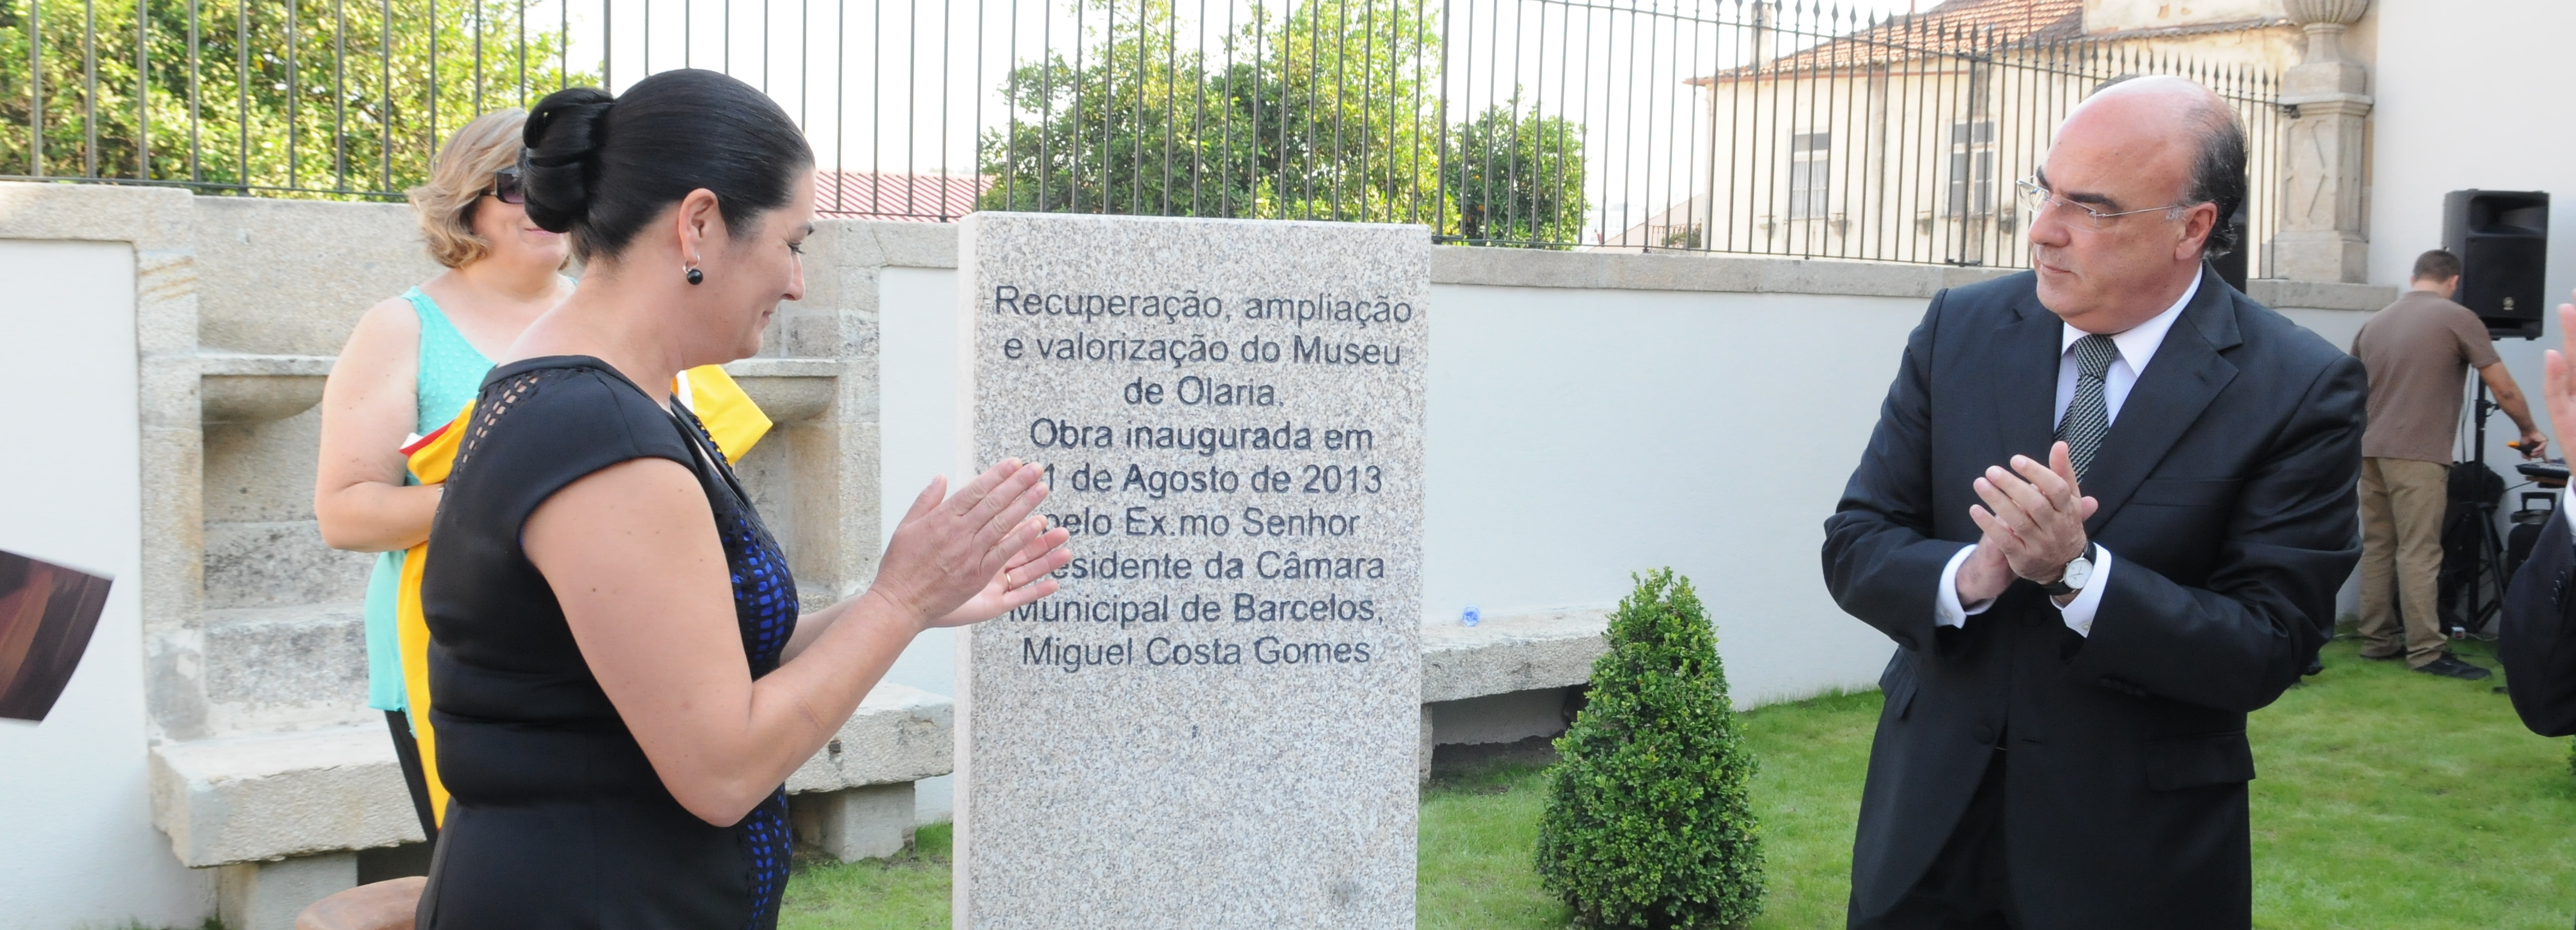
(2088, 418)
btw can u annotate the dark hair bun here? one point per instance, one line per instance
(565, 132)
(601, 168)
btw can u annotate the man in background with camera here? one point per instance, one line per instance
(2418, 352)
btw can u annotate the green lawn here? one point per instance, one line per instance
(2386, 799)
(907, 891)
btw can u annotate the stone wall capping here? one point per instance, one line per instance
(1690, 271)
(155, 219)
(899, 734)
(764, 366)
(251, 364)
(242, 387)
(897, 243)
(1547, 649)
(234, 616)
(789, 390)
(2320, 295)
(245, 387)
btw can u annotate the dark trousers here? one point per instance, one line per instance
(1968, 886)
(407, 751)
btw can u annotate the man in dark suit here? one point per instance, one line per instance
(2537, 639)
(2104, 515)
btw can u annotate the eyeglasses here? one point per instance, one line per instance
(506, 187)
(2039, 199)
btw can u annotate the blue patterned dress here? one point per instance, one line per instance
(558, 820)
(765, 607)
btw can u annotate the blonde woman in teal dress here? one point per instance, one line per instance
(413, 362)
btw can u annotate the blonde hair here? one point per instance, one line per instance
(459, 176)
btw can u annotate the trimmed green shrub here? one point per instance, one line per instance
(1649, 819)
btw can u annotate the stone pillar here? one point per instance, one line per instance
(268, 895)
(868, 822)
(2321, 236)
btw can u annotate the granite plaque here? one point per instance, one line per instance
(1214, 723)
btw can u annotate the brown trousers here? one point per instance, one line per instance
(2402, 502)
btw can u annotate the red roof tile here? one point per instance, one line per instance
(872, 195)
(1955, 26)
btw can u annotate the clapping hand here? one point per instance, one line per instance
(974, 555)
(2556, 385)
(2034, 515)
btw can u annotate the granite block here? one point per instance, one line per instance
(261, 472)
(1549, 649)
(270, 895)
(251, 798)
(281, 669)
(851, 824)
(899, 735)
(2319, 295)
(1216, 722)
(273, 564)
(293, 276)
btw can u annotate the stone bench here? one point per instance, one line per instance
(284, 816)
(1505, 679)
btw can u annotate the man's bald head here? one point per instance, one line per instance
(2177, 111)
(2149, 171)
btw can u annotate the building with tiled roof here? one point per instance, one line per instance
(1901, 137)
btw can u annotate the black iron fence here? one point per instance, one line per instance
(1654, 125)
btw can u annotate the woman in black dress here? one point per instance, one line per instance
(618, 673)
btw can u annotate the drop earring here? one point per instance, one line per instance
(697, 277)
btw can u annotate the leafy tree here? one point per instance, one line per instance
(1517, 177)
(1649, 819)
(284, 93)
(1330, 111)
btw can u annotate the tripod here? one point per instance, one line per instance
(2481, 583)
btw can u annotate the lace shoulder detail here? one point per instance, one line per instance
(545, 423)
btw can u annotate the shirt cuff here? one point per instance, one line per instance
(1946, 609)
(2079, 614)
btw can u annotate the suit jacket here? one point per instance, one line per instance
(2537, 641)
(2227, 501)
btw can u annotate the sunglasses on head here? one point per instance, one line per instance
(506, 187)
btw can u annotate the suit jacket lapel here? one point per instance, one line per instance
(2184, 375)
(2025, 383)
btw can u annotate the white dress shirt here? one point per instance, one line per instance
(2137, 347)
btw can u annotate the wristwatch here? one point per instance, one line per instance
(2077, 573)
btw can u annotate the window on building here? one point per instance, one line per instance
(1810, 163)
(1972, 169)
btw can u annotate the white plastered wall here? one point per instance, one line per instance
(80, 848)
(2465, 98)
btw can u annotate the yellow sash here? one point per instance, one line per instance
(736, 423)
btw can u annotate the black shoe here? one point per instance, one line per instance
(2449, 667)
(2316, 664)
(2399, 654)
